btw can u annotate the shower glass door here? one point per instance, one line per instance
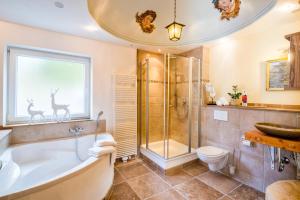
(182, 105)
(152, 104)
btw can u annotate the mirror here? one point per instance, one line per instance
(278, 72)
(284, 73)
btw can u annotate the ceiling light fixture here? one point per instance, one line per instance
(59, 4)
(175, 29)
(288, 7)
(91, 28)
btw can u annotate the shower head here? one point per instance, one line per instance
(98, 117)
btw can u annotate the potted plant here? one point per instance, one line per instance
(235, 95)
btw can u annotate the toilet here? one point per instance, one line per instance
(215, 157)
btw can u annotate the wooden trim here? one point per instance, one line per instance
(264, 107)
(294, 82)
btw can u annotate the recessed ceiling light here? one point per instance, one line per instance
(59, 4)
(159, 50)
(288, 7)
(91, 28)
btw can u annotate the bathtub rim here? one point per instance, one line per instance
(75, 171)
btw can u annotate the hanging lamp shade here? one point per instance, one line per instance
(175, 31)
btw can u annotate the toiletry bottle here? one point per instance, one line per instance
(244, 99)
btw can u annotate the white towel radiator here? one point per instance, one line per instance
(125, 114)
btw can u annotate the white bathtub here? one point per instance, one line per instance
(51, 171)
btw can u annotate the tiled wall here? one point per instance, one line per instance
(253, 163)
(34, 133)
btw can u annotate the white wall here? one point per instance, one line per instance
(107, 58)
(240, 60)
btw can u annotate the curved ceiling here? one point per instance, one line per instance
(202, 20)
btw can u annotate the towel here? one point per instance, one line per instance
(105, 139)
(99, 151)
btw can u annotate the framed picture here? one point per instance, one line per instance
(278, 72)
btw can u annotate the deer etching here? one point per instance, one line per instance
(57, 107)
(33, 113)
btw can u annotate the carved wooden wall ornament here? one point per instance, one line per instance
(146, 20)
(228, 8)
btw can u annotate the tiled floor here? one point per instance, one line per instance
(136, 181)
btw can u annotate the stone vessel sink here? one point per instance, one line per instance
(278, 130)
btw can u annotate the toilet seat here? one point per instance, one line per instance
(215, 157)
(211, 152)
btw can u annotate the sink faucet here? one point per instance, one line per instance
(76, 130)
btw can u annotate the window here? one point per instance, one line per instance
(48, 80)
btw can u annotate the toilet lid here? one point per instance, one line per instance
(210, 151)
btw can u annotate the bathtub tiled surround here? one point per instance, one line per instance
(40, 132)
(252, 163)
(137, 180)
(4, 140)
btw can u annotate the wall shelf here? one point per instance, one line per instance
(287, 144)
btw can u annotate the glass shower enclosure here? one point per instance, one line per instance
(169, 104)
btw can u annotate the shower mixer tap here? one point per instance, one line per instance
(76, 131)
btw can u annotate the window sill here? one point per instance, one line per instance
(43, 123)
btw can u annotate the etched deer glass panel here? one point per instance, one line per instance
(38, 78)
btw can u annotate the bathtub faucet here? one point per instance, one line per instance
(76, 130)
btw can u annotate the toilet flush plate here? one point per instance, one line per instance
(221, 115)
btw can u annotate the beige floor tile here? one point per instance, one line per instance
(197, 190)
(148, 185)
(167, 195)
(133, 170)
(176, 178)
(219, 181)
(225, 198)
(118, 178)
(246, 193)
(130, 162)
(123, 192)
(195, 169)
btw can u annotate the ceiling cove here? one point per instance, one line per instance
(202, 19)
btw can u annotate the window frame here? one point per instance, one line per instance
(11, 52)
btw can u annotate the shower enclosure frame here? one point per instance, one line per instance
(167, 104)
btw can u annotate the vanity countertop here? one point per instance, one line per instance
(259, 137)
(283, 108)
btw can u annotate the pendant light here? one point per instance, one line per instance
(175, 29)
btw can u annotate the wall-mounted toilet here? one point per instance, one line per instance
(215, 157)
